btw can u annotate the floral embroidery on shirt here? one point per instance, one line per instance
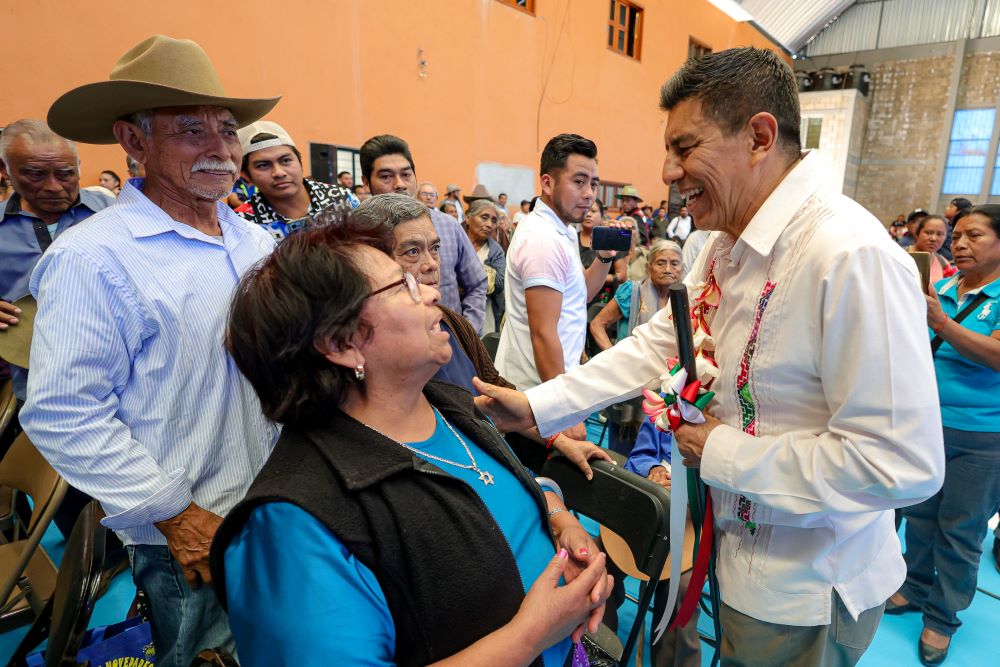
(743, 508)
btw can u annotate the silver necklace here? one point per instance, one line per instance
(484, 475)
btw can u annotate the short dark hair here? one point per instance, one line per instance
(310, 289)
(560, 147)
(358, 187)
(113, 175)
(990, 211)
(961, 203)
(383, 144)
(342, 173)
(734, 85)
(502, 194)
(916, 215)
(264, 136)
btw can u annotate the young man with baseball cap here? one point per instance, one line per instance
(284, 199)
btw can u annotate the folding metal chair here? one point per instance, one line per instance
(634, 508)
(27, 575)
(67, 613)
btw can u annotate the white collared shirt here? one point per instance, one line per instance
(543, 253)
(837, 422)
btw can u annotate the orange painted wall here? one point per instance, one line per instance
(348, 69)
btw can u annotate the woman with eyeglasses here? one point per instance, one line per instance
(392, 525)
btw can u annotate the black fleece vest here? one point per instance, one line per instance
(445, 568)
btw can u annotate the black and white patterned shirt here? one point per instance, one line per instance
(321, 196)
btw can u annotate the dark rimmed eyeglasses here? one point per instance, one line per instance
(411, 285)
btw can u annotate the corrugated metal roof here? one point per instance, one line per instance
(793, 22)
(843, 26)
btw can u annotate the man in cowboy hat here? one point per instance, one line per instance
(132, 396)
(630, 199)
(478, 192)
(283, 197)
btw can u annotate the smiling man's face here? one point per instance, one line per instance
(711, 170)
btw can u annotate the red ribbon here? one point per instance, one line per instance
(700, 572)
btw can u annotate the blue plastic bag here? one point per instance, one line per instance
(125, 644)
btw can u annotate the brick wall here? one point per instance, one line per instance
(906, 117)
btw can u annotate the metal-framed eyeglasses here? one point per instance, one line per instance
(412, 286)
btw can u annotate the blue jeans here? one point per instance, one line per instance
(185, 621)
(945, 533)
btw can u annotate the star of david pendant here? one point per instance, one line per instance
(485, 477)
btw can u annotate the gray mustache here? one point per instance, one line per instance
(214, 165)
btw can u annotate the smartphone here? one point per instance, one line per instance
(610, 238)
(923, 260)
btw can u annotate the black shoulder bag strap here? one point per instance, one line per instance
(937, 341)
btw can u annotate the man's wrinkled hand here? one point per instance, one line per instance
(189, 538)
(691, 439)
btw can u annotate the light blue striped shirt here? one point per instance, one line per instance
(132, 396)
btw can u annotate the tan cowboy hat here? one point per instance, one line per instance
(478, 192)
(15, 340)
(619, 553)
(628, 191)
(159, 72)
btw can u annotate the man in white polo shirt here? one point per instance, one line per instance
(547, 287)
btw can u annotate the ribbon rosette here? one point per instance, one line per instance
(680, 401)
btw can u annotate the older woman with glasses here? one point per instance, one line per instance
(416, 248)
(392, 524)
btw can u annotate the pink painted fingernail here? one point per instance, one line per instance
(563, 554)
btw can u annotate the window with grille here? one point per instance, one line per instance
(625, 28)
(523, 5)
(696, 49)
(970, 142)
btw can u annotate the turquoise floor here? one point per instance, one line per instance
(895, 643)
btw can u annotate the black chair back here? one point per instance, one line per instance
(491, 342)
(635, 508)
(68, 612)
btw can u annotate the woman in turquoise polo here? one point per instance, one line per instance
(944, 534)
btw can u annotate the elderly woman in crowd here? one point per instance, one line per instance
(501, 233)
(931, 232)
(448, 207)
(480, 221)
(944, 534)
(392, 524)
(416, 248)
